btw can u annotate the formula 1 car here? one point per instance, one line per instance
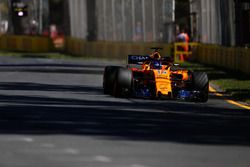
(156, 78)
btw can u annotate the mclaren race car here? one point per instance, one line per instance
(155, 77)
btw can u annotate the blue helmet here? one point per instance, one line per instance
(156, 64)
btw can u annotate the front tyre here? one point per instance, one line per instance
(201, 84)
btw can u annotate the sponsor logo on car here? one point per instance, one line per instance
(138, 58)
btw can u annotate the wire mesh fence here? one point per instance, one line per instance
(31, 24)
(135, 20)
(4, 16)
(213, 21)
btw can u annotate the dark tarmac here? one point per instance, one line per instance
(53, 113)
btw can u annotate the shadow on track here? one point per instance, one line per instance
(117, 120)
(53, 68)
(111, 118)
(29, 86)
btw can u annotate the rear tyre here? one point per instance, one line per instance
(122, 83)
(201, 84)
(108, 78)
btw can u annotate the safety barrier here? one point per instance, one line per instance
(233, 58)
(237, 59)
(115, 50)
(25, 43)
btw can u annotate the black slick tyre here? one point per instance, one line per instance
(122, 83)
(201, 84)
(109, 76)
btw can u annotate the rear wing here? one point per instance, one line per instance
(138, 59)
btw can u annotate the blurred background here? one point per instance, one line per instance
(224, 22)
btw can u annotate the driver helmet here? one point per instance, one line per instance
(156, 64)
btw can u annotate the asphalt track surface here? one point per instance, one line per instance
(53, 113)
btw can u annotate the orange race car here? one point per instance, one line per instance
(155, 77)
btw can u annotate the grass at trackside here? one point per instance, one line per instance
(233, 84)
(36, 55)
(53, 55)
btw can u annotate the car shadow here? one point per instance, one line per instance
(125, 119)
(115, 119)
(30, 86)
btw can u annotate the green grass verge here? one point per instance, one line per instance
(235, 85)
(55, 55)
(36, 55)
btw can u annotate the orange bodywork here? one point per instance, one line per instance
(164, 78)
(163, 81)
